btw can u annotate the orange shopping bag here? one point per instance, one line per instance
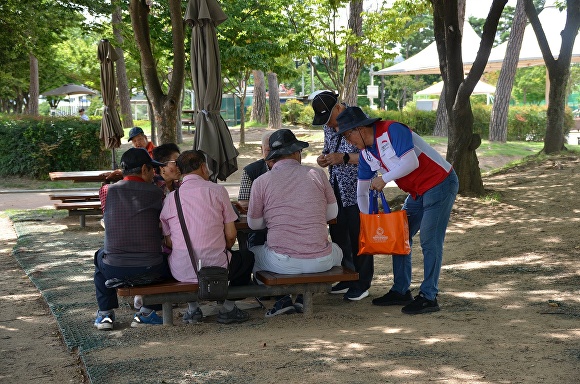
(383, 233)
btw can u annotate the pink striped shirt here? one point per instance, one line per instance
(206, 208)
(292, 198)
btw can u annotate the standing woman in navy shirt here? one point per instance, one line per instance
(402, 156)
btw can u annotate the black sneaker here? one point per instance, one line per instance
(340, 288)
(236, 315)
(283, 305)
(299, 304)
(394, 298)
(420, 305)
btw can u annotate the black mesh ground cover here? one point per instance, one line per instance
(63, 273)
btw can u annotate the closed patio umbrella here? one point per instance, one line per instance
(111, 129)
(212, 134)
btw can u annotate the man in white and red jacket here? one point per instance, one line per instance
(402, 156)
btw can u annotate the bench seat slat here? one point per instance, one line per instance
(80, 195)
(166, 287)
(78, 205)
(331, 276)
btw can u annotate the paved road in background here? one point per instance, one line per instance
(25, 200)
(40, 199)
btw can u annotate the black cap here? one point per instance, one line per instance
(283, 142)
(136, 158)
(322, 104)
(353, 117)
(135, 131)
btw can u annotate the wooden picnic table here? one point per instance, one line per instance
(188, 122)
(83, 176)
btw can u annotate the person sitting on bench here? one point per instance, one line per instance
(209, 217)
(168, 177)
(294, 202)
(132, 249)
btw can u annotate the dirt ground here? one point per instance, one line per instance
(509, 297)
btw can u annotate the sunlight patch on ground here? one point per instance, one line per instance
(565, 334)
(21, 297)
(494, 263)
(477, 295)
(403, 372)
(442, 339)
(389, 331)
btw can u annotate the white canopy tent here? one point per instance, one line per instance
(553, 22)
(427, 61)
(481, 88)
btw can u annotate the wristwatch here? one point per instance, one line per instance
(346, 158)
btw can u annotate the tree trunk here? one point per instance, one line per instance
(259, 99)
(121, 71)
(353, 64)
(33, 91)
(275, 120)
(242, 119)
(558, 71)
(165, 106)
(503, 91)
(462, 142)
(442, 120)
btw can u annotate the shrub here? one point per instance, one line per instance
(291, 111)
(36, 146)
(524, 123)
(306, 116)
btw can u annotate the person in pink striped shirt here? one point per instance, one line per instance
(294, 202)
(209, 217)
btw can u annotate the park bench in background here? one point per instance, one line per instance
(81, 209)
(275, 284)
(74, 196)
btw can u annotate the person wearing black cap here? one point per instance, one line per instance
(402, 156)
(341, 158)
(132, 248)
(139, 140)
(294, 202)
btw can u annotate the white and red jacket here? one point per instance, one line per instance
(401, 156)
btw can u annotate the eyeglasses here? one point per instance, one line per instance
(170, 161)
(348, 133)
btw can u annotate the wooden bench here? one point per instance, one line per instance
(274, 284)
(75, 196)
(188, 123)
(81, 209)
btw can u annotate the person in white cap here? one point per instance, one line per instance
(341, 158)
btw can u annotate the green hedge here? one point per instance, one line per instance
(36, 146)
(524, 122)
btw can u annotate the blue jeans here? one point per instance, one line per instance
(107, 297)
(430, 214)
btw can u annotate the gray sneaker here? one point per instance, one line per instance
(192, 317)
(236, 315)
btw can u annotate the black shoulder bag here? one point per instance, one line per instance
(212, 280)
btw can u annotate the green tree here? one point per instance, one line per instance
(28, 31)
(165, 103)
(324, 42)
(558, 71)
(457, 90)
(530, 85)
(252, 37)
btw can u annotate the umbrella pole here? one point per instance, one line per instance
(113, 159)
